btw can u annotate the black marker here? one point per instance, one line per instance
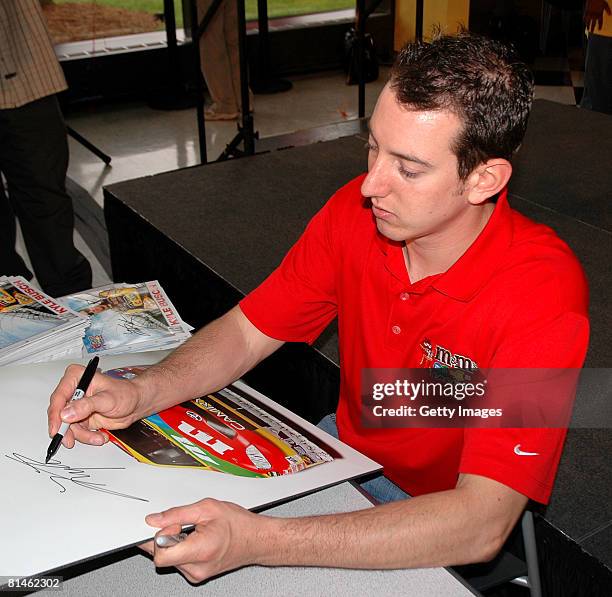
(78, 394)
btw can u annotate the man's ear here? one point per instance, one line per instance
(487, 179)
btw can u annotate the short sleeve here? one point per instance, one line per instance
(527, 459)
(298, 300)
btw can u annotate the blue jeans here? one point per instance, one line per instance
(380, 488)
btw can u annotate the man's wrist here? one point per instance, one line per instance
(144, 398)
(267, 549)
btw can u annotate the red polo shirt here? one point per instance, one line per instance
(516, 298)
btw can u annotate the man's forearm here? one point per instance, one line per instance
(440, 529)
(215, 356)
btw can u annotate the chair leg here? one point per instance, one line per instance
(531, 554)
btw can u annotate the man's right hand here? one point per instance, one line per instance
(217, 355)
(109, 403)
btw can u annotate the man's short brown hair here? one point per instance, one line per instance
(480, 80)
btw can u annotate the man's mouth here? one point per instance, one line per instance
(381, 213)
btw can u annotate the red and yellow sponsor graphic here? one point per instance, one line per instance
(223, 431)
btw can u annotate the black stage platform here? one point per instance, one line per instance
(212, 233)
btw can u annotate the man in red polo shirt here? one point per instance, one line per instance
(423, 268)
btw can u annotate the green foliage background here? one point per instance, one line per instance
(276, 8)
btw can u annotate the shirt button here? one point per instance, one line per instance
(404, 296)
(396, 329)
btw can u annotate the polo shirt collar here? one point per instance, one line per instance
(473, 269)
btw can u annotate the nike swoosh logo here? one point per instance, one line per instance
(519, 452)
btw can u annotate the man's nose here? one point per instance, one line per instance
(376, 183)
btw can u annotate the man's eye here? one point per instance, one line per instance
(370, 146)
(407, 173)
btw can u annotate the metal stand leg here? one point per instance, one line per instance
(246, 133)
(197, 29)
(87, 144)
(176, 94)
(362, 13)
(265, 83)
(531, 554)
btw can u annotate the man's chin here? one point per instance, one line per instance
(390, 232)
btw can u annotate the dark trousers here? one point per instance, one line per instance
(34, 160)
(598, 75)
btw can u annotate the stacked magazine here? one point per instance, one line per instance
(128, 318)
(35, 327)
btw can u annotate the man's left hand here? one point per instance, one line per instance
(435, 529)
(225, 537)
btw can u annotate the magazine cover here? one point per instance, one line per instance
(27, 314)
(226, 431)
(128, 317)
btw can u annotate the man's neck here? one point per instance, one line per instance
(436, 254)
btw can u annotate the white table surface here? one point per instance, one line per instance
(136, 576)
(51, 529)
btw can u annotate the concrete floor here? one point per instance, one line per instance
(143, 141)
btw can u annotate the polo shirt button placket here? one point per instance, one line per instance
(404, 296)
(396, 329)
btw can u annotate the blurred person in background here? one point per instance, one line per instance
(34, 155)
(220, 60)
(598, 68)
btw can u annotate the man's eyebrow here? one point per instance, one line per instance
(412, 158)
(405, 156)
